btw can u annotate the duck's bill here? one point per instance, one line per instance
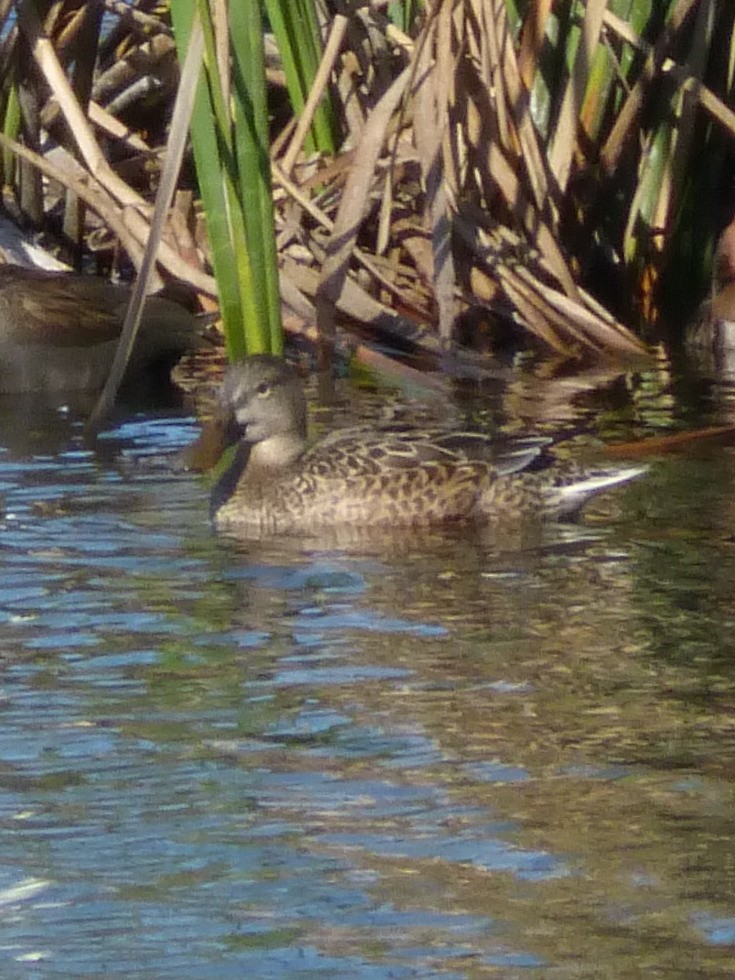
(217, 435)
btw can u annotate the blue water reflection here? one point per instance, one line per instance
(272, 760)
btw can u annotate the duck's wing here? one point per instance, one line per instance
(62, 309)
(50, 308)
(372, 449)
(506, 454)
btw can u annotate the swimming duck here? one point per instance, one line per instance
(397, 476)
(59, 331)
(710, 337)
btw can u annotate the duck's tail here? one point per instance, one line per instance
(565, 490)
(556, 491)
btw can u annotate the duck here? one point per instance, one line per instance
(371, 476)
(59, 331)
(710, 336)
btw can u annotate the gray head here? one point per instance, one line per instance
(265, 396)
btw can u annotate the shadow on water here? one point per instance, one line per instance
(432, 756)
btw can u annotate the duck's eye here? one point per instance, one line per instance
(263, 388)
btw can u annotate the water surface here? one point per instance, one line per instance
(432, 757)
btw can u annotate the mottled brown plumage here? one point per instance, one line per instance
(398, 476)
(59, 331)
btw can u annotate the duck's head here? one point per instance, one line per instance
(261, 405)
(263, 397)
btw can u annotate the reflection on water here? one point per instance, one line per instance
(437, 758)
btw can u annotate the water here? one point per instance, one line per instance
(420, 758)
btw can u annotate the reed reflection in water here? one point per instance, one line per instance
(287, 759)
